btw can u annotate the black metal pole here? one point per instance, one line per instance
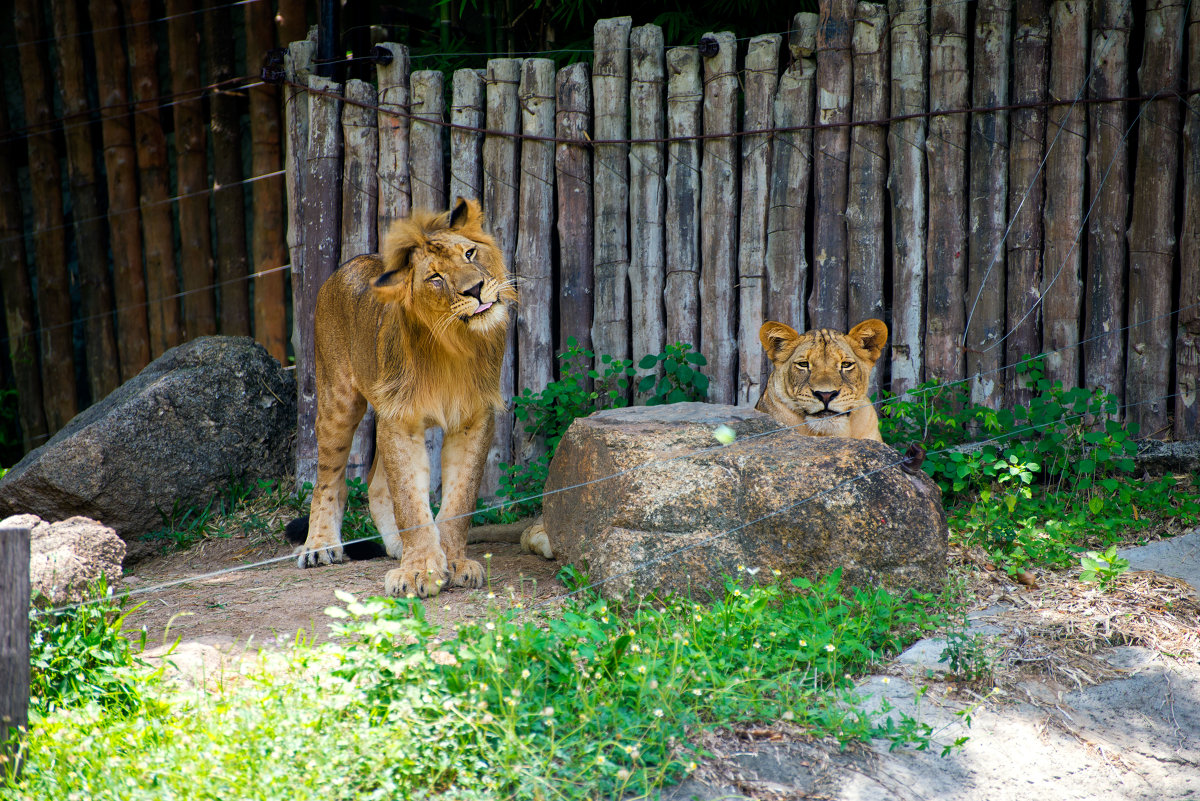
(329, 39)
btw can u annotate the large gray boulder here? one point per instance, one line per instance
(66, 557)
(212, 411)
(683, 511)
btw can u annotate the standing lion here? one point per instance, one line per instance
(418, 333)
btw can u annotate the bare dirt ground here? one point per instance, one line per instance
(270, 604)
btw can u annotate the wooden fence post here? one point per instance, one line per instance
(718, 208)
(229, 196)
(573, 167)
(360, 195)
(500, 190)
(610, 166)
(191, 170)
(533, 260)
(95, 290)
(428, 174)
(989, 203)
(681, 286)
(153, 178)
(1108, 182)
(321, 203)
(16, 289)
(827, 303)
(466, 147)
(120, 161)
(791, 175)
(1187, 343)
(1066, 139)
(268, 247)
(1152, 225)
(14, 635)
(395, 189)
(1026, 197)
(762, 64)
(945, 155)
(53, 296)
(907, 177)
(647, 204)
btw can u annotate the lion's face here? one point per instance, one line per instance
(823, 375)
(451, 278)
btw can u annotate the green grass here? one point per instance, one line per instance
(595, 700)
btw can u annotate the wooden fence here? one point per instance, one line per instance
(876, 162)
(144, 161)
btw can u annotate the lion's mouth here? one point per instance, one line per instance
(824, 413)
(482, 308)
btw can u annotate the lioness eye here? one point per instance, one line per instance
(847, 365)
(470, 254)
(436, 280)
(802, 365)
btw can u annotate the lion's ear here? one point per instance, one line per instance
(868, 338)
(465, 213)
(778, 340)
(393, 286)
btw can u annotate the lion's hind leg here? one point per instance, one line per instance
(464, 453)
(338, 414)
(383, 510)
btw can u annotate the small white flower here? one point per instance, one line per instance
(886, 680)
(830, 648)
(490, 626)
(803, 644)
(753, 570)
(658, 713)
(525, 673)
(641, 669)
(548, 711)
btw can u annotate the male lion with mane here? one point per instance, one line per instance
(820, 380)
(419, 333)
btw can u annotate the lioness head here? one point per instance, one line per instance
(823, 376)
(446, 271)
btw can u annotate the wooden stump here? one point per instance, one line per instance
(681, 285)
(14, 637)
(395, 188)
(466, 147)
(1187, 342)
(573, 169)
(426, 158)
(647, 201)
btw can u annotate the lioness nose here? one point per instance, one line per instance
(826, 397)
(474, 291)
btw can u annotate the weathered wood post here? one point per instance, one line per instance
(1152, 224)
(647, 201)
(681, 286)
(14, 635)
(718, 208)
(573, 166)
(945, 155)
(1108, 187)
(988, 205)
(762, 63)
(610, 165)
(1066, 141)
(791, 173)
(907, 178)
(1187, 341)
(466, 147)
(1031, 66)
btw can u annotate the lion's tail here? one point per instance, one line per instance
(297, 533)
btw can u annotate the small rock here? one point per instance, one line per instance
(66, 557)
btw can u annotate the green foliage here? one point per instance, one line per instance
(1103, 568)
(598, 700)
(582, 389)
(968, 656)
(81, 656)
(1038, 483)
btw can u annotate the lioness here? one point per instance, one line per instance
(819, 381)
(419, 333)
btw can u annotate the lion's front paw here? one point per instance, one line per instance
(318, 551)
(466, 573)
(535, 540)
(422, 576)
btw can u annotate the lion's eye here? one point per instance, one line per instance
(436, 281)
(847, 365)
(470, 254)
(801, 365)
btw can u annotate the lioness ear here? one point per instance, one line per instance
(869, 337)
(464, 212)
(778, 340)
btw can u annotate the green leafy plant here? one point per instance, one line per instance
(681, 379)
(1103, 568)
(82, 655)
(968, 656)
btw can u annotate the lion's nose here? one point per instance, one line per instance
(826, 397)
(474, 291)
